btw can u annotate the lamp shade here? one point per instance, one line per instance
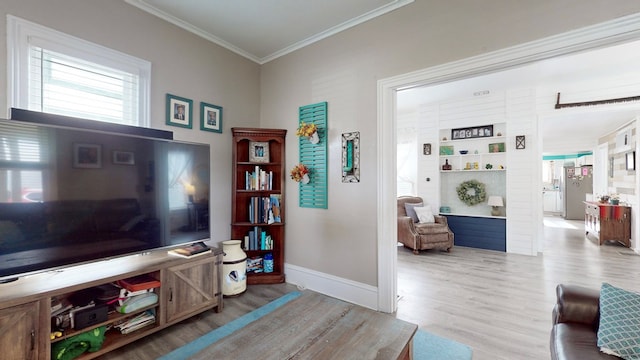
(495, 201)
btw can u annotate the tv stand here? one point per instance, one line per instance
(188, 287)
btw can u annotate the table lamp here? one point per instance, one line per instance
(496, 203)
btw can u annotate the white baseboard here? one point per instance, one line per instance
(343, 289)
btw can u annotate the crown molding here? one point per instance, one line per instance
(144, 6)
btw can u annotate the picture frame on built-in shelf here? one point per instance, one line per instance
(496, 147)
(179, 111)
(210, 117)
(446, 150)
(123, 158)
(87, 156)
(258, 151)
(472, 132)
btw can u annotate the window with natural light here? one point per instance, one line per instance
(65, 85)
(60, 74)
(179, 164)
(24, 158)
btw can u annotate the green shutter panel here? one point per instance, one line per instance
(314, 156)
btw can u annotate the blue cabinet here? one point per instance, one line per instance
(479, 232)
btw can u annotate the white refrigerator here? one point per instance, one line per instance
(577, 183)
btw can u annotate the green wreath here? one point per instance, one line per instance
(472, 192)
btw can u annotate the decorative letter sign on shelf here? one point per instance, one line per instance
(314, 156)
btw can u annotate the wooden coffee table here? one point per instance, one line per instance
(315, 326)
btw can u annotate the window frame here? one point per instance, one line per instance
(22, 33)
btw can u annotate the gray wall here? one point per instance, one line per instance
(344, 70)
(182, 64)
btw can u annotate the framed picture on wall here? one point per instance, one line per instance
(210, 117)
(472, 132)
(631, 160)
(87, 156)
(179, 111)
(123, 158)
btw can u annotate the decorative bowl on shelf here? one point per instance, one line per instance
(464, 152)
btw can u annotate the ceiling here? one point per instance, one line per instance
(263, 30)
(573, 76)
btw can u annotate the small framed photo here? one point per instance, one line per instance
(179, 111)
(87, 156)
(426, 149)
(630, 160)
(520, 144)
(258, 151)
(496, 147)
(210, 117)
(123, 158)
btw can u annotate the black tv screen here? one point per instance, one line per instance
(70, 195)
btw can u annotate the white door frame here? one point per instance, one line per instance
(624, 29)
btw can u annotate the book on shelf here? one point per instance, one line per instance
(258, 239)
(255, 264)
(258, 179)
(195, 249)
(139, 321)
(264, 209)
(139, 283)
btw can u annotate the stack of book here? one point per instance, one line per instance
(258, 239)
(265, 209)
(195, 249)
(137, 322)
(259, 179)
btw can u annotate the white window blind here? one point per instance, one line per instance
(65, 85)
(24, 157)
(58, 73)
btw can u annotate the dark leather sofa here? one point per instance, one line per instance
(576, 317)
(27, 226)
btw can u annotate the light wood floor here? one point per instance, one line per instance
(500, 304)
(497, 303)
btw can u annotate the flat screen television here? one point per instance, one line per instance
(74, 191)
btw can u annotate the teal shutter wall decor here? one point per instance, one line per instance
(314, 156)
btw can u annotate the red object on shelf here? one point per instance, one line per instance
(141, 282)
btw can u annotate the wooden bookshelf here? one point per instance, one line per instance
(242, 192)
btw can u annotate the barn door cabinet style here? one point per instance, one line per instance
(187, 287)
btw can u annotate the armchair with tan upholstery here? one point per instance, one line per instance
(422, 236)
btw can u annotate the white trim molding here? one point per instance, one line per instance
(624, 29)
(340, 288)
(153, 10)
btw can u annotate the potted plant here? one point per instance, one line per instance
(300, 173)
(310, 131)
(614, 199)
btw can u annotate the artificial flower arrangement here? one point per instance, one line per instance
(298, 172)
(306, 129)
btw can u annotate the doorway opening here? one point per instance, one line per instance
(513, 58)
